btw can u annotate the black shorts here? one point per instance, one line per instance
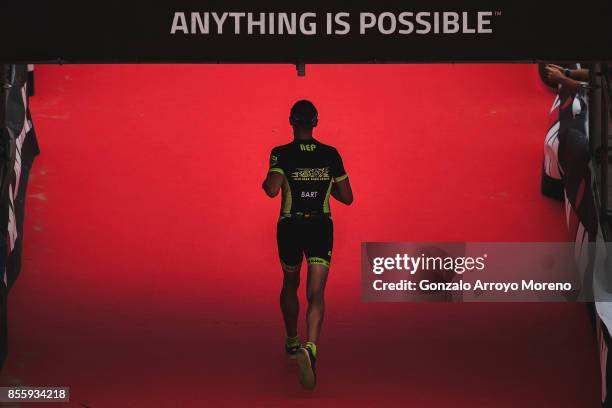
(299, 236)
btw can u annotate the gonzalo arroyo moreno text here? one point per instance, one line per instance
(453, 265)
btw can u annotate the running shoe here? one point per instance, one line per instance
(306, 363)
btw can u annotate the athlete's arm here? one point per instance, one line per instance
(580, 74)
(341, 187)
(341, 191)
(272, 184)
(556, 76)
(274, 180)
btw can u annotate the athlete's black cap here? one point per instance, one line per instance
(304, 114)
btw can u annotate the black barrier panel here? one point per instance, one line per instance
(18, 148)
(368, 31)
(5, 81)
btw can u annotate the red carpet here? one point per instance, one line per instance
(150, 274)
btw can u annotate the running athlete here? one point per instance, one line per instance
(308, 172)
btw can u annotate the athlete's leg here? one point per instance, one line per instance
(289, 303)
(315, 288)
(318, 249)
(307, 355)
(290, 253)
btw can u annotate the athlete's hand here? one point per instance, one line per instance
(272, 184)
(555, 74)
(557, 67)
(342, 191)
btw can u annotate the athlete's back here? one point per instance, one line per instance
(310, 168)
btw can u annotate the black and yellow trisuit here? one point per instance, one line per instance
(305, 226)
